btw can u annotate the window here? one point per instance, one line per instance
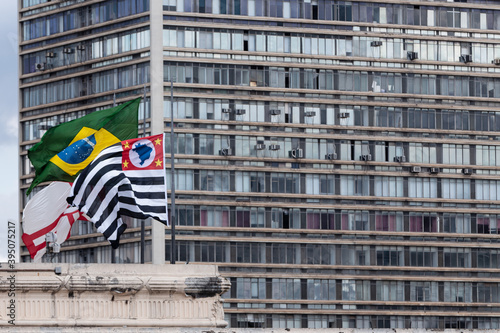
(453, 18)
(422, 187)
(423, 223)
(487, 258)
(421, 118)
(317, 219)
(388, 221)
(250, 288)
(358, 255)
(242, 218)
(285, 183)
(77, 18)
(348, 290)
(487, 224)
(458, 292)
(455, 188)
(214, 216)
(487, 292)
(257, 183)
(487, 189)
(487, 155)
(355, 220)
(457, 257)
(284, 253)
(286, 289)
(354, 185)
(388, 186)
(247, 252)
(456, 223)
(389, 256)
(390, 290)
(456, 154)
(342, 11)
(423, 291)
(321, 289)
(423, 257)
(422, 153)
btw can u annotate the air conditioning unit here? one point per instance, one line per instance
(240, 112)
(80, 47)
(40, 66)
(367, 157)
(226, 110)
(225, 152)
(296, 153)
(274, 147)
(410, 55)
(344, 115)
(434, 170)
(68, 50)
(275, 112)
(415, 169)
(400, 159)
(496, 61)
(260, 146)
(376, 43)
(52, 245)
(467, 171)
(310, 113)
(50, 55)
(465, 58)
(331, 156)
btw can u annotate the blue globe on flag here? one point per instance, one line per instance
(142, 153)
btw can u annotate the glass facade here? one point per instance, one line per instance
(338, 160)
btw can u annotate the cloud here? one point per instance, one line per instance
(8, 80)
(9, 194)
(13, 39)
(9, 129)
(8, 27)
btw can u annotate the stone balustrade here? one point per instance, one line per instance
(112, 295)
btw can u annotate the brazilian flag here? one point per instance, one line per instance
(66, 149)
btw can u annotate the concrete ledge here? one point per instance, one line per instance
(112, 295)
(244, 330)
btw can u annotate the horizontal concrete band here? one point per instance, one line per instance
(120, 323)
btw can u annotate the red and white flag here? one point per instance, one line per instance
(126, 179)
(47, 212)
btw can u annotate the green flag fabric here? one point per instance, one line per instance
(68, 148)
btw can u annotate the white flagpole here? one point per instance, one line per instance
(172, 175)
(113, 251)
(143, 228)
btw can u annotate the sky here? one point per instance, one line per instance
(8, 121)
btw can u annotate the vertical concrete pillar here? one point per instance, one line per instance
(156, 88)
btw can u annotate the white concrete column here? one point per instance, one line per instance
(156, 70)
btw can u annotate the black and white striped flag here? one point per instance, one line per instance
(126, 179)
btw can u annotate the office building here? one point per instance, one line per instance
(338, 160)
